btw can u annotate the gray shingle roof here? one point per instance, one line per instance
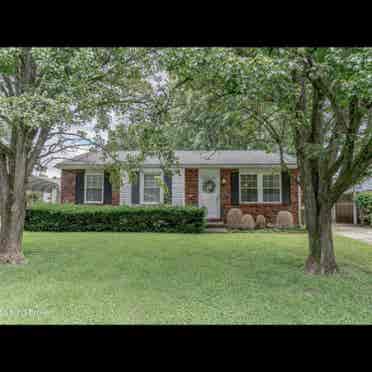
(225, 157)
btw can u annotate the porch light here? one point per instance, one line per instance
(223, 181)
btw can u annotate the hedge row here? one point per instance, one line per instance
(364, 203)
(70, 217)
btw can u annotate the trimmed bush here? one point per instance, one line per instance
(284, 219)
(364, 202)
(260, 221)
(71, 217)
(234, 218)
(247, 222)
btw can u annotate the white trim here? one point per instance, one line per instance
(142, 185)
(260, 173)
(85, 186)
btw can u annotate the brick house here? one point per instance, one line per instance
(250, 180)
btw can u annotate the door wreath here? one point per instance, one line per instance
(209, 186)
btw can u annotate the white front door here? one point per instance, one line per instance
(209, 191)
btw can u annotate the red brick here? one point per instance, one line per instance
(191, 186)
(68, 179)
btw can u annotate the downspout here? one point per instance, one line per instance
(355, 217)
(299, 205)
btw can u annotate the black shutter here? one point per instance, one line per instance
(235, 188)
(136, 189)
(286, 188)
(79, 187)
(168, 182)
(107, 189)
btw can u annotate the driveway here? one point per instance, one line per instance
(362, 233)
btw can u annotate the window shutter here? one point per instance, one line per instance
(168, 182)
(136, 189)
(79, 187)
(286, 188)
(107, 189)
(235, 188)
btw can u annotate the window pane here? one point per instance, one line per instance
(94, 181)
(149, 180)
(151, 195)
(94, 195)
(271, 181)
(249, 195)
(271, 195)
(248, 180)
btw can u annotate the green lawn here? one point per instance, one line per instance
(133, 278)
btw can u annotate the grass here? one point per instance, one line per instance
(139, 278)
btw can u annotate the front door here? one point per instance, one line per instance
(209, 191)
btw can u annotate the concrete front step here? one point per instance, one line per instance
(216, 230)
(215, 223)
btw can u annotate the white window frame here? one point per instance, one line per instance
(86, 184)
(240, 188)
(280, 187)
(158, 172)
(260, 175)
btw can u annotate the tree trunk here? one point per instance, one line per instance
(13, 203)
(12, 222)
(321, 258)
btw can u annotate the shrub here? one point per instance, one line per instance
(284, 219)
(260, 221)
(364, 202)
(247, 222)
(70, 217)
(234, 218)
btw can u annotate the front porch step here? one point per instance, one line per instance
(216, 229)
(215, 223)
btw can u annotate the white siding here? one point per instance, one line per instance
(178, 188)
(125, 191)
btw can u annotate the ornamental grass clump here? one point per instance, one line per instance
(285, 219)
(247, 222)
(234, 218)
(260, 221)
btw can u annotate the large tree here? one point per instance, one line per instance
(316, 102)
(47, 96)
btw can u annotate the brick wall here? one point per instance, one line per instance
(191, 186)
(225, 188)
(270, 211)
(68, 186)
(115, 197)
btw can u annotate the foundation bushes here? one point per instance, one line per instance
(71, 217)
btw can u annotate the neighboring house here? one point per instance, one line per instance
(47, 188)
(345, 210)
(219, 180)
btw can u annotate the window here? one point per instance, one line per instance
(151, 188)
(93, 188)
(259, 187)
(271, 187)
(248, 188)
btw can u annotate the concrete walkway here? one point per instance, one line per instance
(363, 233)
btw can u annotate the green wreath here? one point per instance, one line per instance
(209, 186)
